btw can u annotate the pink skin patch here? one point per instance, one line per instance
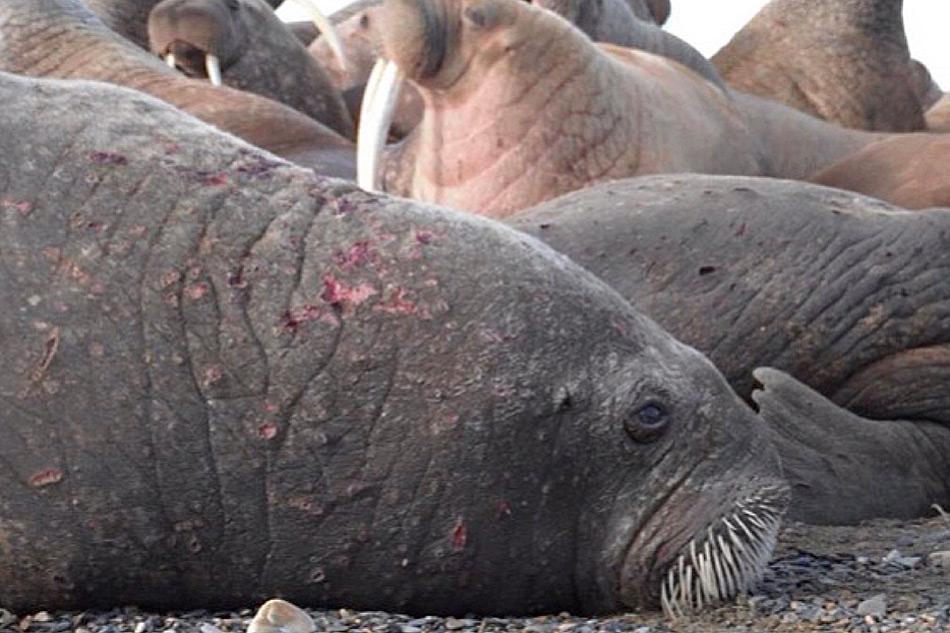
(425, 237)
(292, 319)
(397, 303)
(337, 293)
(267, 431)
(197, 290)
(459, 535)
(22, 206)
(46, 477)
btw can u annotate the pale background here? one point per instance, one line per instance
(707, 25)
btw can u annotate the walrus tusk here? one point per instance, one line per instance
(376, 115)
(213, 66)
(326, 29)
(170, 60)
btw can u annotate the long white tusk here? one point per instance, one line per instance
(326, 29)
(376, 115)
(170, 60)
(213, 66)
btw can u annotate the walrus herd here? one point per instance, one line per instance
(233, 373)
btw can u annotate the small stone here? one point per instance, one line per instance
(875, 606)
(939, 559)
(410, 629)
(6, 618)
(909, 562)
(209, 628)
(893, 556)
(142, 627)
(42, 616)
(281, 616)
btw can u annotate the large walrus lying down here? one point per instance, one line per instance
(227, 378)
(846, 293)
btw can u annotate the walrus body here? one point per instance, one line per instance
(845, 293)
(938, 116)
(909, 170)
(520, 106)
(845, 61)
(227, 378)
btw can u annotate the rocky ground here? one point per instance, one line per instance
(884, 576)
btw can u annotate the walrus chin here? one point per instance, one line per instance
(692, 554)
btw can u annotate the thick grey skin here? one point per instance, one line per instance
(840, 465)
(846, 293)
(227, 378)
(258, 53)
(845, 61)
(62, 39)
(938, 116)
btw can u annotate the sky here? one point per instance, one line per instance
(705, 25)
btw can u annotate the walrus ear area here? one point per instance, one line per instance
(482, 15)
(647, 422)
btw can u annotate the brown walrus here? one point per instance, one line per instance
(845, 61)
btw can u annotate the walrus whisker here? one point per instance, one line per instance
(213, 66)
(724, 561)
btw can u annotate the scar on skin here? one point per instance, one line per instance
(49, 351)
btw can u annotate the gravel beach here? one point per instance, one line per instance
(882, 576)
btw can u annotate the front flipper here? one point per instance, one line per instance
(843, 468)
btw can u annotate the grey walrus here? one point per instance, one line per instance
(847, 294)
(227, 378)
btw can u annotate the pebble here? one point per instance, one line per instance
(875, 606)
(940, 559)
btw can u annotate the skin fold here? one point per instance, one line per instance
(846, 294)
(521, 107)
(60, 38)
(227, 378)
(845, 61)
(258, 53)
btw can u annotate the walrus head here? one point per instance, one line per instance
(695, 496)
(205, 37)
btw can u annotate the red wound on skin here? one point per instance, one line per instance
(459, 535)
(196, 291)
(213, 374)
(22, 206)
(216, 180)
(292, 319)
(107, 158)
(358, 255)
(46, 477)
(267, 431)
(397, 303)
(336, 293)
(236, 279)
(425, 237)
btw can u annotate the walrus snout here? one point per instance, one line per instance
(203, 25)
(415, 36)
(697, 550)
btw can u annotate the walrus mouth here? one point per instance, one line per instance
(193, 61)
(688, 569)
(727, 559)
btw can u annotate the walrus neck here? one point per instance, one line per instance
(501, 126)
(883, 19)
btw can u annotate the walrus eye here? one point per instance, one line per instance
(647, 423)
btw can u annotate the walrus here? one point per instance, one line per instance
(520, 106)
(63, 39)
(845, 293)
(845, 61)
(253, 51)
(228, 378)
(907, 170)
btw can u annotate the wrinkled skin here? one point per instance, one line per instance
(62, 39)
(845, 293)
(258, 53)
(908, 170)
(632, 26)
(220, 362)
(938, 116)
(521, 107)
(845, 61)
